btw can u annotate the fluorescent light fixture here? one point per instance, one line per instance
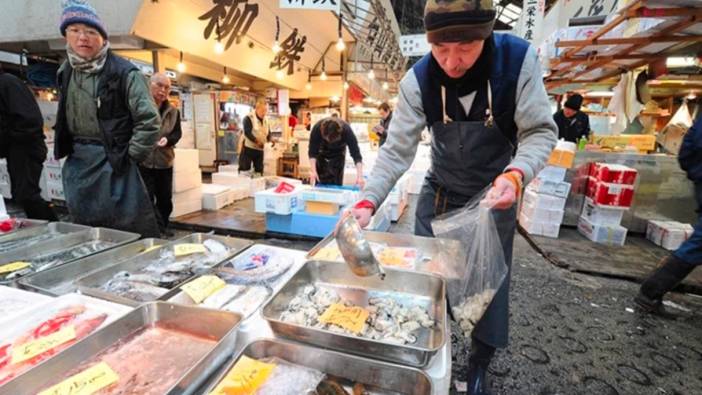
(599, 94)
(678, 61)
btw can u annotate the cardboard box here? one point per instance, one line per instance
(668, 234)
(602, 215)
(546, 187)
(546, 202)
(541, 214)
(324, 208)
(553, 173)
(613, 173)
(607, 194)
(540, 228)
(602, 234)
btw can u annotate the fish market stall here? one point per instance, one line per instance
(23, 261)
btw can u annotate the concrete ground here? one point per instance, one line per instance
(575, 333)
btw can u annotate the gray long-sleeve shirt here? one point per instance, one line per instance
(536, 130)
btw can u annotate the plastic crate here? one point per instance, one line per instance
(269, 201)
(338, 196)
(301, 223)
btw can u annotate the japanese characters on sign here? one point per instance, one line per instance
(230, 20)
(290, 50)
(595, 8)
(333, 5)
(531, 22)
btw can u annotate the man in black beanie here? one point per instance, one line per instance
(572, 123)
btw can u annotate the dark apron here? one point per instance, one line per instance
(97, 196)
(330, 168)
(466, 158)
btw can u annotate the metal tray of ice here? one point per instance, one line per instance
(62, 279)
(36, 234)
(213, 331)
(158, 274)
(61, 250)
(24, 225)
(422, 290)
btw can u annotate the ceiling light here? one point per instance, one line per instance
(219, 47)
(323, 76)
(181, 66)
(340, 45)
(279, 74)
(225, 79)
(371, 74)
(386, 86)
(346, 85)
(276, 47)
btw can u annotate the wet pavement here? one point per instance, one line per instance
(574, 333)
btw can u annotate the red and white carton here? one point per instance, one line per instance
(613, 173)
(610, 194)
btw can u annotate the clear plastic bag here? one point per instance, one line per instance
(479, 272)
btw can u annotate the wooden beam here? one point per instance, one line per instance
(630, 40)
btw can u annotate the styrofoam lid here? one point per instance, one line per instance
(563, 145)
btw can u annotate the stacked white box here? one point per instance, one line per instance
(614, 235)
(239, 181)
(283, 203)
(602, 215)
(215, 196)
(186, 202)
(553, 173)
(668, 234)
(274, 181)
(540, 228)
(186, 170)
(228, 169)
(543, 207)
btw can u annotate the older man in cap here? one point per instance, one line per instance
(106, 124)
(482, 97)
(572, 123)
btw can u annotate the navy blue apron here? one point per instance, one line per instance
(97, 196)
(330, 167)
(466, 158)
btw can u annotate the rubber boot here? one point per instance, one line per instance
(669, 273)
(480, 356)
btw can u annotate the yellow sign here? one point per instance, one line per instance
(203, 287)
(151, 249)
(352, 318)
(244, 378)
(14, 266)
(187, 249)
(86, 382)
(39, 346)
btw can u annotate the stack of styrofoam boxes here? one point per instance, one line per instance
(187, 182)
(279, 203)
(397, 200)
(242, 185)
(5, 187)
(274, 181)
(544, 202)
(215, 197)
(610, 191)
(271, 153)
(668, 234)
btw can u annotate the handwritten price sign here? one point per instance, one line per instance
(352, 317)
(187, 249)
(39, 346)
(14, 266)
(203, 287)
(86, 382)
(245, 377)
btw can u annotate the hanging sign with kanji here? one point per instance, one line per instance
(333, 5)
(229, 20)
(289, 53)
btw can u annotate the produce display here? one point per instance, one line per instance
(149, 362)
(384, 319)
(45, 340)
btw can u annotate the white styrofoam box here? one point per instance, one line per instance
(257, 184)
(539, 228)
(415, 181)
(55, 190)
(614, 235)
(553, 173)
(337, 196)
(542, 214)
(673, 238)
(668, 234)
(274, 181)
(240, 192)
(187, 202)
(183, 181)
(547, 202)
(546, 187)
(654, 231)
(602, 215)
(231, 179)
(186, 160)
(228, 169)
(53, 173)
(269, 201)
(215, 196)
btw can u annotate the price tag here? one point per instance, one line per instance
(152, 248)
(14, 266)
(39, 346)
(187, 249)
(86, 382)
(352, 318)
(245, 377)
(203, 287)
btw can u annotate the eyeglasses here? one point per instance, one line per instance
(76, 32)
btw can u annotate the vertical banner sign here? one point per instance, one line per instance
(531, 21)
(331, 5)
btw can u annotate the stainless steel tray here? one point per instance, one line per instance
(433, 250)
(216, 325)
(62, 280)
(385, 378)
(91, 284)
(25, 224)
(426, 290)
(62, 243)
(12, 241)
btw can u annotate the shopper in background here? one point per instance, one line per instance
(256, 134)
(106, 124)
(572, 123)
(157, 169)
(307, 121)
(327, 152)
(385, 117)
(482, 96)
(676, 266)
(22, 143)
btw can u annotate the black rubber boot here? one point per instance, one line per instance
(480, 356)
(669, 273)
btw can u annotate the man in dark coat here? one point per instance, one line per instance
(22, 143)
(572, 123)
